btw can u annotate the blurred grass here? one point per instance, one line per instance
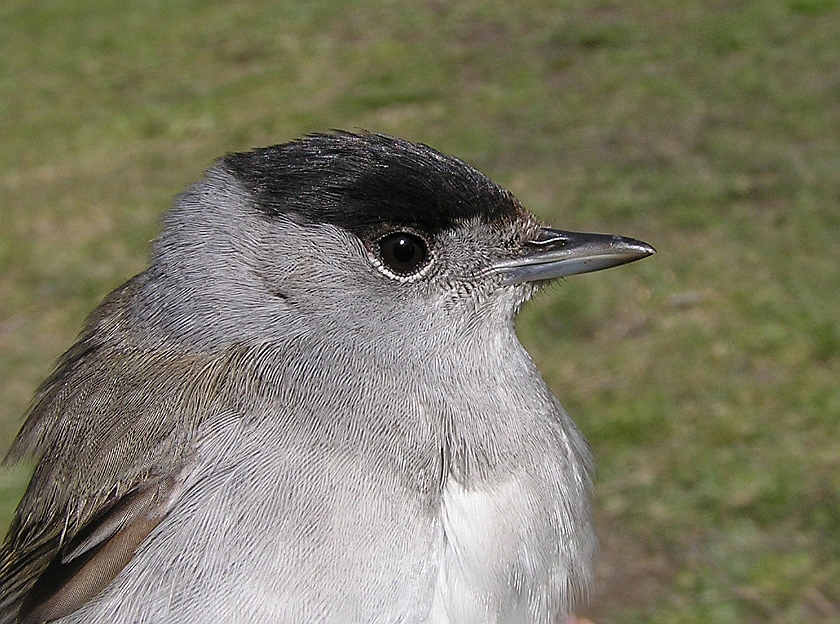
(706, 378)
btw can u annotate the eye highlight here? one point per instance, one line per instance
(402, 254)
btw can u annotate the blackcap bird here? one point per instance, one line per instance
(313, 407)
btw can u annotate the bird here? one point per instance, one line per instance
(312, 407)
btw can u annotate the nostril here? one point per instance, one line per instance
(549, 237)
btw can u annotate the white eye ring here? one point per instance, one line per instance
(402, 255)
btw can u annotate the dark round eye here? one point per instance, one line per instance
(403, 253)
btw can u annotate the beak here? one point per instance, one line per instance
(556, 253)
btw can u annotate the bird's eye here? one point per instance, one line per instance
(403, 253)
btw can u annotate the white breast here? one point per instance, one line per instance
(506, 558)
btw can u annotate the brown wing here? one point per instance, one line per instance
(49, 579)
(112, 432)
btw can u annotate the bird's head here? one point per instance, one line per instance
(353, 234)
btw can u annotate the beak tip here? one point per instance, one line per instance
(638, 248)
(648, 250)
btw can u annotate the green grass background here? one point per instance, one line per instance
(706, 377)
